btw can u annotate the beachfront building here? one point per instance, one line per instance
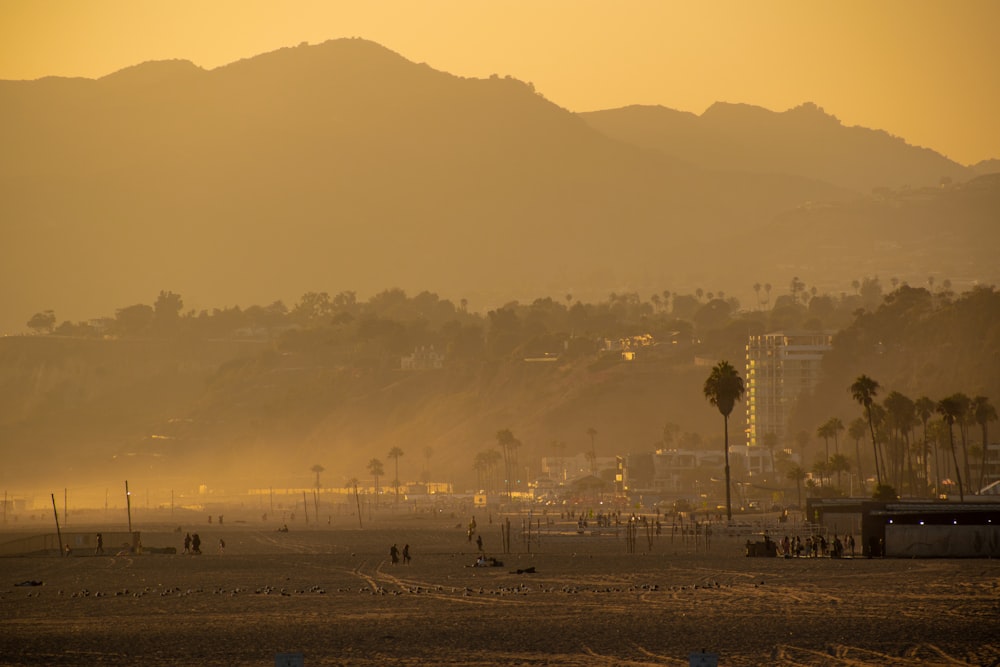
(780, 366)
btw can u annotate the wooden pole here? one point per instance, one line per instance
(305, 507)
(357, 501)
(128, 505)
(55, 513)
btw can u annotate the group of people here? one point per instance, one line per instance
(192, 544)
(394, 554)
(815, 546)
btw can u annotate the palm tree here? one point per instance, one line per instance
(506, 440)
(376, 469)
(317, 469)
(857, 430)
(836, 427)
(951, 409)
(925, 408)
(428, 453)
(592, 455)
(723, 388)
(797, 474)
(902, 414)
(984, 413)
(839, 464)
(394, 454)
(864, 390)
(963, 420)
(825, 431)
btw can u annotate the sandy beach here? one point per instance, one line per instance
(332, 594)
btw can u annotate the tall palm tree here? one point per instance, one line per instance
(376, 469)
(317, 469)
(925, 408)
(506, 440)
(857, 430)
(592, 456)
(984, 413)
(825, 431)
(952, 409)
(864, 390)
(836, 427)
(902, 415)
(963, 420)
(839, 464)
(797, 474)
(394, 454)
(428, 454)
(723, 388)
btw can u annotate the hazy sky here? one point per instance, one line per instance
(923, 70)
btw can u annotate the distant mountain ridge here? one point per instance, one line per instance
(804, 140)
(343, 166)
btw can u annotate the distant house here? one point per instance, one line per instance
(422, 359)
(628, 346)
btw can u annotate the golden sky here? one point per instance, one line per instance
(925, 70)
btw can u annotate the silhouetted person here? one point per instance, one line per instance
(394, 554)
(195, 544)
(187, 543)
(479, 542)
(406, 554)
(100, 545)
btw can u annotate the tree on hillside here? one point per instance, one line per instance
(42, 322)
(133, 320)
(952, 409)
(167, 311)
(723, 388)
(376, 469)
(394, 454)
(864, 390)
(984, 413)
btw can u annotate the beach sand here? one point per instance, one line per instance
(332, 594)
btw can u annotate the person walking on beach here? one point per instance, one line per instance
(479, 542)
(187, 543)
(195, 544)
(100, 545)
(394, 554)
(406, 554)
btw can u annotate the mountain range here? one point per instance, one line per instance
(344, 166)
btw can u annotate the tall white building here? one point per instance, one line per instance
(780, 366)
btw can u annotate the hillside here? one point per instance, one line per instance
(180, 415)
(805, 141)
(339, 166)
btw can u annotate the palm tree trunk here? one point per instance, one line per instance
(861, 476)
(954, 455)
(729, 501)
(871, 427)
